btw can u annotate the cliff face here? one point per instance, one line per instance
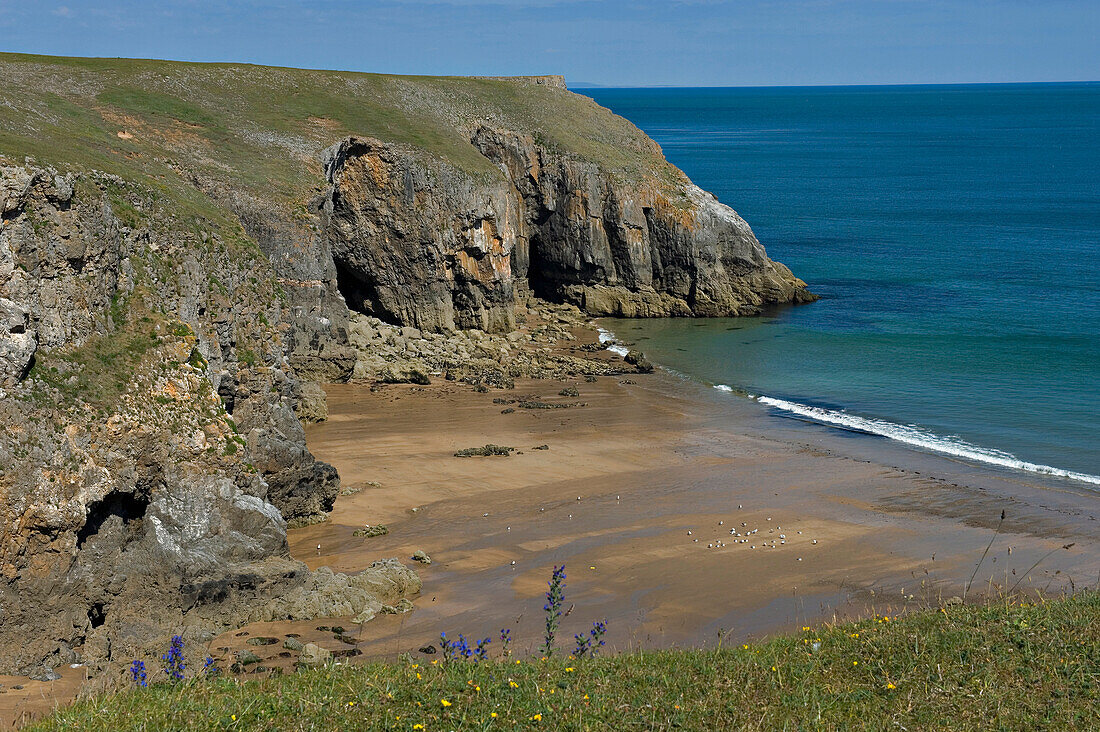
(180, 269)
(151, 455)
(420, 243)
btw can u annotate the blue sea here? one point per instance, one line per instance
(953, 234)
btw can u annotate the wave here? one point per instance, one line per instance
(607, 338)
(906, 434)
(917, 437)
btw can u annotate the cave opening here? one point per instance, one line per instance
(97, 615)
(116, 511)
(359, 295)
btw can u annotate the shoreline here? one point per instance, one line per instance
(896, 528)
(651, 456)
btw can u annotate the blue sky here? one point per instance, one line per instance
(611, 42)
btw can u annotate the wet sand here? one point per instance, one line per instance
(844, 524)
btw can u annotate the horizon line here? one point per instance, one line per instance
(577, 85)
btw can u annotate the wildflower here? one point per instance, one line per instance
(208, 666)
(586, 696)
(506, 642)
(513, 684)
(418, 674)
(418, 726)
(890, 686)
(173, 660)
(493, 715)
(444, 702)
(137, 673)
(855, 663)
(555, 600)
(590, 646)
(569, 669)
(537, 717)
(477, 688)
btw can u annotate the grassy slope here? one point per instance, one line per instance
(1004, 666)
(259, 129)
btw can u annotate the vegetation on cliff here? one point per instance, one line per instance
(1001, 666)
(256, 127)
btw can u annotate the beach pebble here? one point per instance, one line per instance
(513, 562)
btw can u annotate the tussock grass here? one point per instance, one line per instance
(998, 666)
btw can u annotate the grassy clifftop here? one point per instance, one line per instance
(259, 129)
(1003, 666)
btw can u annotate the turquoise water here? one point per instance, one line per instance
(953, 234)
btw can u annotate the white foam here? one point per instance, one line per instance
(723, 387)
(608, 338)
(911, 435)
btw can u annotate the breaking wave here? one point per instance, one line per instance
(918, 437)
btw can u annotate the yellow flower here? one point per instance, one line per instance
(416, 665)
(855, 663)
(477, 688)
(233, 717)
(537, 717)
(586, 696)
(675, 706)
(745, 646)
(493, 715)
(517, 661)
(513, 684)
(891, 686)
(805, 627)
(418, 674)
(444, 702)
(351, 704)
(418, 726)
(773, 668)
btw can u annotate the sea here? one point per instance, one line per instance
(953, 236)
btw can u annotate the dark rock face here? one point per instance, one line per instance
(151, 455)
(419, 243)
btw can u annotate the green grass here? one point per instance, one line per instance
(261, 130)
(1002, 666)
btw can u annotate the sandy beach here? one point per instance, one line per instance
(683, 516)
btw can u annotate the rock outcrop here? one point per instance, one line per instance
(151, 456)
(420, 243)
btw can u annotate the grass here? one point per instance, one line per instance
(158, 122)
(998, 666)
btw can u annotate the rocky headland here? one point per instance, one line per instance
(182, 268)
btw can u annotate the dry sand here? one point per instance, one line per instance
(843, 524)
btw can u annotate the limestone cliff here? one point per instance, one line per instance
(421, 243)
(181, 263)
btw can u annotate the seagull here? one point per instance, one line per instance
(318, 548)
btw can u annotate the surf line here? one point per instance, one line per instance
(920, 438)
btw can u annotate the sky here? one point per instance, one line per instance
(605, 42)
